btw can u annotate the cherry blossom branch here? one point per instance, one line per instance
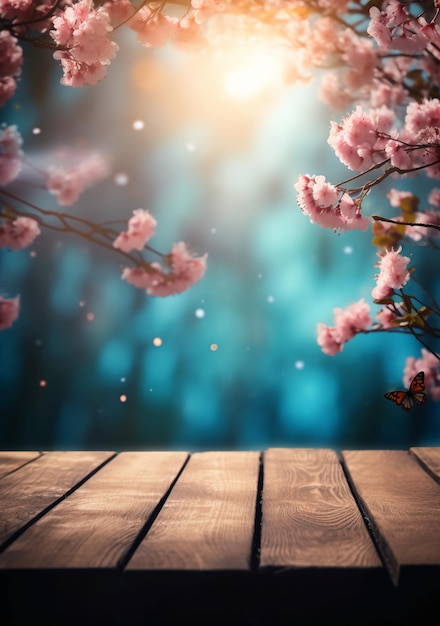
(379, 218)
(69, 222)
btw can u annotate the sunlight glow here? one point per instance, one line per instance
(254, 73)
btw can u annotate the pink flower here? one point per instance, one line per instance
(153, 29)
(84, 31)
(141, 227)
(434, 197)
(83, 34)
(359, 142)
(348, 322)
(9, 309)
(11, 59)
(76, 74)
(332, 92)
(395, 196)
(204, 9)
(68, 183)
(378, 29)
(385, 317)
(424, 217)
(11, 154)
(420, 117)
(326, 339)
(118, 10)
(26, 11)
(393, 273)
(185, 270)
(320, 201)
(18, 234)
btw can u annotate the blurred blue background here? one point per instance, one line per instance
(218, 172)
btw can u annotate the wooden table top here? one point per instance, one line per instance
(284, 536)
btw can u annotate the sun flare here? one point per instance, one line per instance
(252, 75)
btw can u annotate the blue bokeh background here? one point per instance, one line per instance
(219, 175)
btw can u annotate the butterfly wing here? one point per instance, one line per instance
(401, 398)
(416, 392)
(417, 383)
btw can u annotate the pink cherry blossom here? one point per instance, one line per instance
(9, 309)
(83, 32)
(204, 9)
(385, 317)
(18, 234)
(327, 206)
(76, 74)
(348, 322)
(327, 340)
(395, 196)
(394, 27)
(421, 116)
(118, 11)
(378, 29)
(11, 59)
(428, 363)
(67, 184)
(185, 270)
(153, 28)
(393, 273)
(360, 141)
(11, 155)
(434, 197)
(26, 11)
(361, 60)
(141, 227)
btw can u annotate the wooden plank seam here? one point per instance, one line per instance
(125, 558)
(19, 467)
(381, 547)
(53, 504)
(256, 539)
(424, 465)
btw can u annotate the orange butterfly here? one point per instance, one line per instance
(416, 392)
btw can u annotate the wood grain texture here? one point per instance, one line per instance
(309, 516)
(429, 458)
(207, 523)
(402, 503)
(11, 461)
(96, 525)
(25, 493)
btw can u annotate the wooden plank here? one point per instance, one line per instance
(309, 516)
(402, 503)
(429, 458)
(97, 524)
(33, 488)
(207, 523)
(10, 461)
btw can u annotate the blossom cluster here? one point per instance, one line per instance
(11, 59)
(348, 323)
(82, 34)
(328, 206)
(67, 183)
(382, 58)
(183, 269)
(365, 139)
(19, 233)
